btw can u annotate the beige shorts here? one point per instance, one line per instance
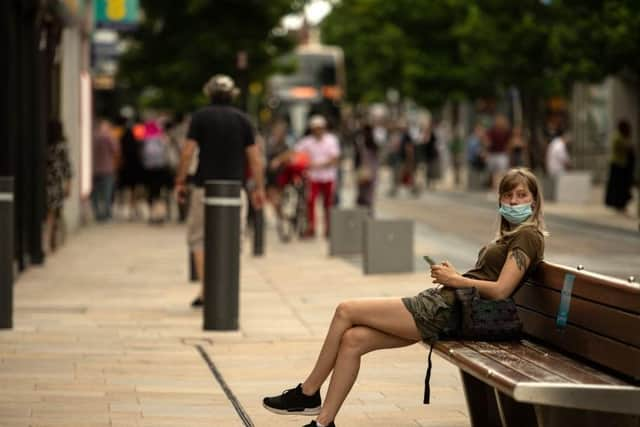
(195, 221)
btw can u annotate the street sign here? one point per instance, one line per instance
(117, 14)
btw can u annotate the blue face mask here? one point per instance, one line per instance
(516, 214)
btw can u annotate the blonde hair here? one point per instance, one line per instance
(511, 180)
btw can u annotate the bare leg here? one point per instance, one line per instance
(198, 258)
(355, 342)
(388, 315)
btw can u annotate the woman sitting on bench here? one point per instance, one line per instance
(363, 325)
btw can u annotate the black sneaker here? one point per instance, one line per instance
(293, 402)
(314, 424)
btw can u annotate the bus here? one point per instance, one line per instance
(316, 86)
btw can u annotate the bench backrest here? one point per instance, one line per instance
(603, 320)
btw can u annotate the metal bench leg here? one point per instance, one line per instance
(549, 416)
(514, 413)
(481, 402)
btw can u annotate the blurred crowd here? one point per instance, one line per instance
(135, 160)
(134, 164)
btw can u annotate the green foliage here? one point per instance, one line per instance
(432, 50)
(180, 44)
(404, 44)
(591, 39)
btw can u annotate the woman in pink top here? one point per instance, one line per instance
(324, 151)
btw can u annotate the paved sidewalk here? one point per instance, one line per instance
(104, 336)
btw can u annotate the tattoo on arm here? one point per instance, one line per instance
(520, 258)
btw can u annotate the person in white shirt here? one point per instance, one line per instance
(323, 150)
(558, 160)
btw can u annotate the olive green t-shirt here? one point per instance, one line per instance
(492, 257)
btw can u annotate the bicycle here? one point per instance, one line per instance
(292, 220)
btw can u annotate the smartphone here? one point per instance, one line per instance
(429, 260)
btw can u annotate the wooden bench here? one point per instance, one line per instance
(584, 374)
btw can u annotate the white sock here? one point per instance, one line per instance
(319, 425)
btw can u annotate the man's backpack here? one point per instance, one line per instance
(154, 153)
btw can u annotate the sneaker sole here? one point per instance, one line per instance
(306, 411)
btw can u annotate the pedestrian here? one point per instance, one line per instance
(621, 168)
(130, 172)
(477, 177)
(58, 183)
(366, 167)
(557, 159)
(394, 154)
(177, 133)
(224, 138)
(407, 155)
(431, 156)
(277, 144)
(476, 149)
(517, 148)
(156, 162)
(323, 150)
(456, 149)
(361, 326)
(105, 155)
(498, 138)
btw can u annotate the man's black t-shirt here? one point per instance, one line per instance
(222, 133)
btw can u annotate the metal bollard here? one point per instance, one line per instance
(258, 232)
(6, 252)
(221, 254)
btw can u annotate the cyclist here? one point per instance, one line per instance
(277, 144)
(323, 151)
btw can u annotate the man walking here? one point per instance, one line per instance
(224, 138)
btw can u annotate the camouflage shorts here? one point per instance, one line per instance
(431, 310)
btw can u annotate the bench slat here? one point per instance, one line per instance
(603, 289)
(480, 366)
(509, 359)
(555, 362)
(587, 314)
(614, 355)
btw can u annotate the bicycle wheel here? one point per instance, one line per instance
(301, 220)
(286, 222)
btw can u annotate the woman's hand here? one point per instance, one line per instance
(445, 274)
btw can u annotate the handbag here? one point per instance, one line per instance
(478, 319)
(484, 319)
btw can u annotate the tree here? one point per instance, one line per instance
(407, 45)
(179, 44)
(437, 50)
(509, 41)
(592, 39)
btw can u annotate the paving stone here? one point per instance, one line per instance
(104, 335)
